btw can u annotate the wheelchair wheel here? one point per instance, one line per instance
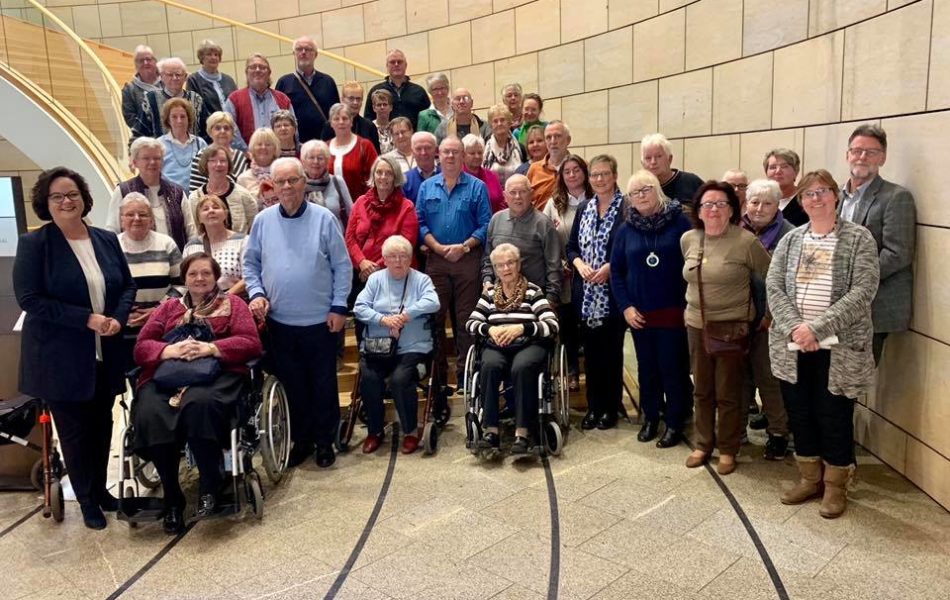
(473, 432)
(430, 438)
(56, 501)
(145, 473)
(553, 438)
(255, 494)
(342, 441)
(468, 382)
(275, 429)
(562, 395)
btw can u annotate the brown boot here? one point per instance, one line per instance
(809, 486)
(836, 491)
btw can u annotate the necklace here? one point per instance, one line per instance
(653, 260)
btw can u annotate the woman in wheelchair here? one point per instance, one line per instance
(513, 319)
(393, 305)
(188, 390)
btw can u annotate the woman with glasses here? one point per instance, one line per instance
(646, 268)
(215, 168)
(441, 109)
(720, 260)
(352, 155)
(323, 187)
(264, 149)
(820, 286)
(401, 129)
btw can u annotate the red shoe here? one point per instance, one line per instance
(409, 444)
(371, 443)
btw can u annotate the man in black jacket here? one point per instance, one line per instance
(409, 99)
(311, 92)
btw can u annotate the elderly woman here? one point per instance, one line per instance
(383, 106)
(763, 218)
(820, 286)
(535, 146)
(215, 167)
(513, 318)
(401, 129)
(531, 109)
(217, 237)
(589, 248)
(212, 85)
(202, 414)
(513, 97)
(181, 146)
(396, 302)
(573, 187)
(264, 149)
(221, 130)
(474, 149)
(284, 125)
(164, 196)
(441, 109)
(323, 187)
(503, 153)
(646, 268)
(721, 259)
(74, 285)
(173, 73)
(377, 215)
(352, 155)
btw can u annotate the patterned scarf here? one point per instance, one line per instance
(505, 303)
(593, 235)
(656, 221)
(213, 304)
(494, 154)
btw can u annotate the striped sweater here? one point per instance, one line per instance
(155, 265)
(534, 312)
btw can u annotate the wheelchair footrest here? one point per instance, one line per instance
(141, 509)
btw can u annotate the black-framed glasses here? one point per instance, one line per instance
(58, 198)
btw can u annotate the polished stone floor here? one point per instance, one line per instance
(632, 522)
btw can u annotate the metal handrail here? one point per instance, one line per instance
(270, 34)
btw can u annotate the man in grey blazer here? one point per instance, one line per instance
(888, 211)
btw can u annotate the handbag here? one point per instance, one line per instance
(384, 348)
(721, 338)
(174, 373)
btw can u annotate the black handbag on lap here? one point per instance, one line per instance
(174, 373)
(383, 348)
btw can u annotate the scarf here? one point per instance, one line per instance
(144, 86)
(213, 304)
(593, 236)
(215, 81)
(171, 196)
(378, 211)
(507, 303)
(654, 222)
(768, 235)
(494, 154)
(451, 126)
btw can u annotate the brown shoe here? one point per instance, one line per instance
(809, 486)
(696, 460)
(409, 444)
(835, 498)
(371, 444)
(726, 466)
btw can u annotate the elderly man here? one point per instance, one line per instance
(454, 213)
(513, 97)
(424, 148)
(889, 212)
(739, 181)
(543, 173)
(173, 74)
(533, 233)
(311, 92)
(463, 121)
(353, 100)
(781, 165)
(298, 276)
(209, 82)
(146, 79)
(656, 156)
(253, 106)
(409, 99)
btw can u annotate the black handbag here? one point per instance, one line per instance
(384, 348)
(174, 373)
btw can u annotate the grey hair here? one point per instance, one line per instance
(656, 139)
(509, 86)
(427, 135)
(734, 173)
(288, 160)
(398, 178)
(304, 39)
(208, 46)
(133, 197)
(396, 243)
(283, 115)
(764, 188)
(145, 143)
(502, 249)
(335, 110)
(471, 140)
(141, 49)
(644, 177)
(450, 138)
(786, 154)
(433, 78)
(567, 129)
(517, 178)
(171, 60)
(315, 145)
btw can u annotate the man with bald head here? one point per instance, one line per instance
(146, 79)
(463, 121)
(409, 99)
(311, 92)
(533, 233)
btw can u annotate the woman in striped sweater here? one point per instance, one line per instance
(513, 318)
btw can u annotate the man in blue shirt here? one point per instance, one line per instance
(298, 276)
(424, 148)
(454, 213)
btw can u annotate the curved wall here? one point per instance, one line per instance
(724, 79)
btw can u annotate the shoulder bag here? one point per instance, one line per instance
(306, 88)
(720, 338)
(383, 348)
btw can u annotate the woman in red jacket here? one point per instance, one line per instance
(351, 155)
(379, 213)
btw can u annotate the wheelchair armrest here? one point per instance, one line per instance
(254, 362)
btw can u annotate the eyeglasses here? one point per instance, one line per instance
(74, 196)
(305, 50)
(642, 192)
(258, 68)
(518, 192)
(739, 187)
(815, 193)
(463, 99)
(508, 264)
(288, 181)
(869, 152)
(601, 175)
(390, 258)
(174, 75)
(720, 204)
(449, 152)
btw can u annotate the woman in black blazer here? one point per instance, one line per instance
(602, 327)
(74, 284)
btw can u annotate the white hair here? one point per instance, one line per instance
(503, 249)
(145, 143)
(471, 140)
(435, 77)
(304, 39)
(424, 135)
(765, 189)
(734, 173)
(517, 178)
(132, 198)
(288, 160)
(397, 243)
(142, 49)
(315, 146)
(567, 130)
(656, 139)
(171, 61)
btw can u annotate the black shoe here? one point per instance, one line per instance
(758, 422)
(298, 454)
(607, 421)
(670, 438)
(489, 441)
(325, 456)
(521, 445)
(648, 431)
(92, 516)
(173, 522)
(206, 506)
(776, 448)
(108, 502)
(590, 421)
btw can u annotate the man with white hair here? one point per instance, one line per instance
(298, 276)
(543, 173)
(424, 149)
(656, 156)
(173, 75)
(253, 106)
(145, 80)
(311, 92)
(409, 99)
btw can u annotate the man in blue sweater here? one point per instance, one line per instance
(298, 276)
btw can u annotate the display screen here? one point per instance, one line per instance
(11, 199)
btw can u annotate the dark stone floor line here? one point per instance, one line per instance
(21, 520)
(151, 563)
(555, 567)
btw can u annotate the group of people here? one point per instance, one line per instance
(417, 214)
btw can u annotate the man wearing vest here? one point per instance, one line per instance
(311, 92)
(251, 107)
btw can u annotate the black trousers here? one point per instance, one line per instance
(603, 364)
(403, 374)
(85, 436)
(208, 457)
(821, 422)
(663, 374)
(570, 335)
(304, 360)
(521, 366)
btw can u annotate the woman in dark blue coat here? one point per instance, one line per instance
(74, 284)
(647, 281)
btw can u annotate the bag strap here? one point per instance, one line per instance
(699, 279)
(306, 88)
(405, 285)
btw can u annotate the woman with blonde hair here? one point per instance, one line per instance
(503, 153)
(264, 148)
(216, 238)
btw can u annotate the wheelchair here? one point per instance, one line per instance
(263, 427)
(553, 401)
